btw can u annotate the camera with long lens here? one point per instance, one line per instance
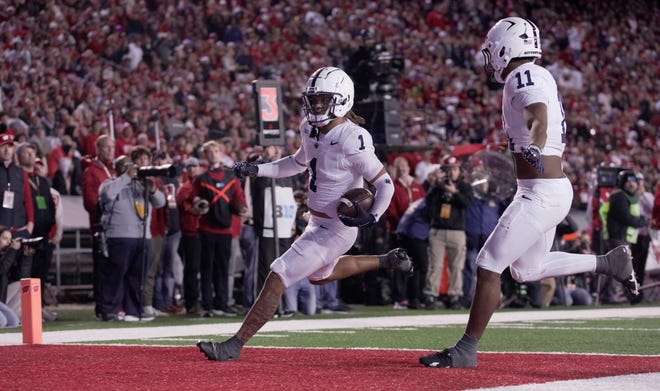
(385, 64)
(446, 181)
(167, 170)
(607, 176)
(385, 67)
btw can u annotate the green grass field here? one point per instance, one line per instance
(610, 335)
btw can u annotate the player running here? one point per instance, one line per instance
(535, 126)
(339, 155)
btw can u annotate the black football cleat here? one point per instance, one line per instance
(397, 259)
(445, 359)
(620, 261)
(228, 350)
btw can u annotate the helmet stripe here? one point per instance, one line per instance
(315, 77)
(319, 74)
(535, 33)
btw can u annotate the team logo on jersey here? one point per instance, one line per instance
(220, 185)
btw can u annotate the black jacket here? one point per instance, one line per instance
(619, 217)
(458, 202)
(12, 178)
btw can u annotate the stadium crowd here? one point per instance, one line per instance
(190, 64)
(170, 75)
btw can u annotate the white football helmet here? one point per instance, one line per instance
(510, 38)
(328, 94)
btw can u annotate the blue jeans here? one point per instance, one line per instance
(164, 287)
(300, 296)
(326, 295)
(470, 273)
(7, 317)
(248, 243)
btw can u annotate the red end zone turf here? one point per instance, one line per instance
(76, 367)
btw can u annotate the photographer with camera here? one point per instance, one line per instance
(446, 203)
(127, 203)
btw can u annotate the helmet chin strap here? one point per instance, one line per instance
(317, 124)
(320, 124)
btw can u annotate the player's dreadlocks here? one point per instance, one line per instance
(356, 119)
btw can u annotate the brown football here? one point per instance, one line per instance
(361, 195)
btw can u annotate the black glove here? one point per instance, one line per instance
(243, 169)
(532, 155)
(362, 219)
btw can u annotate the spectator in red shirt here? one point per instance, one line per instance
(190, 209)
(406, 191)
(95, 172)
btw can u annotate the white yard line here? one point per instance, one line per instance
(126, 333)
(639, 382)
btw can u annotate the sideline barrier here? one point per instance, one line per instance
(77, 220)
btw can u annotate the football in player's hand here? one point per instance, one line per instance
(360, 195)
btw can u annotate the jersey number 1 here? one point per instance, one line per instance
(312, 166)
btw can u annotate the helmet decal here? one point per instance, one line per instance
(510, 38)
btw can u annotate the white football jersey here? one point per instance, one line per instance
(530, 83)
(337, 162)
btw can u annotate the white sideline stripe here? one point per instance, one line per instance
(78, 336)
(640, 382)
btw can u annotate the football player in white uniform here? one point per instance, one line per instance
(339, 155)
(535, 127)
